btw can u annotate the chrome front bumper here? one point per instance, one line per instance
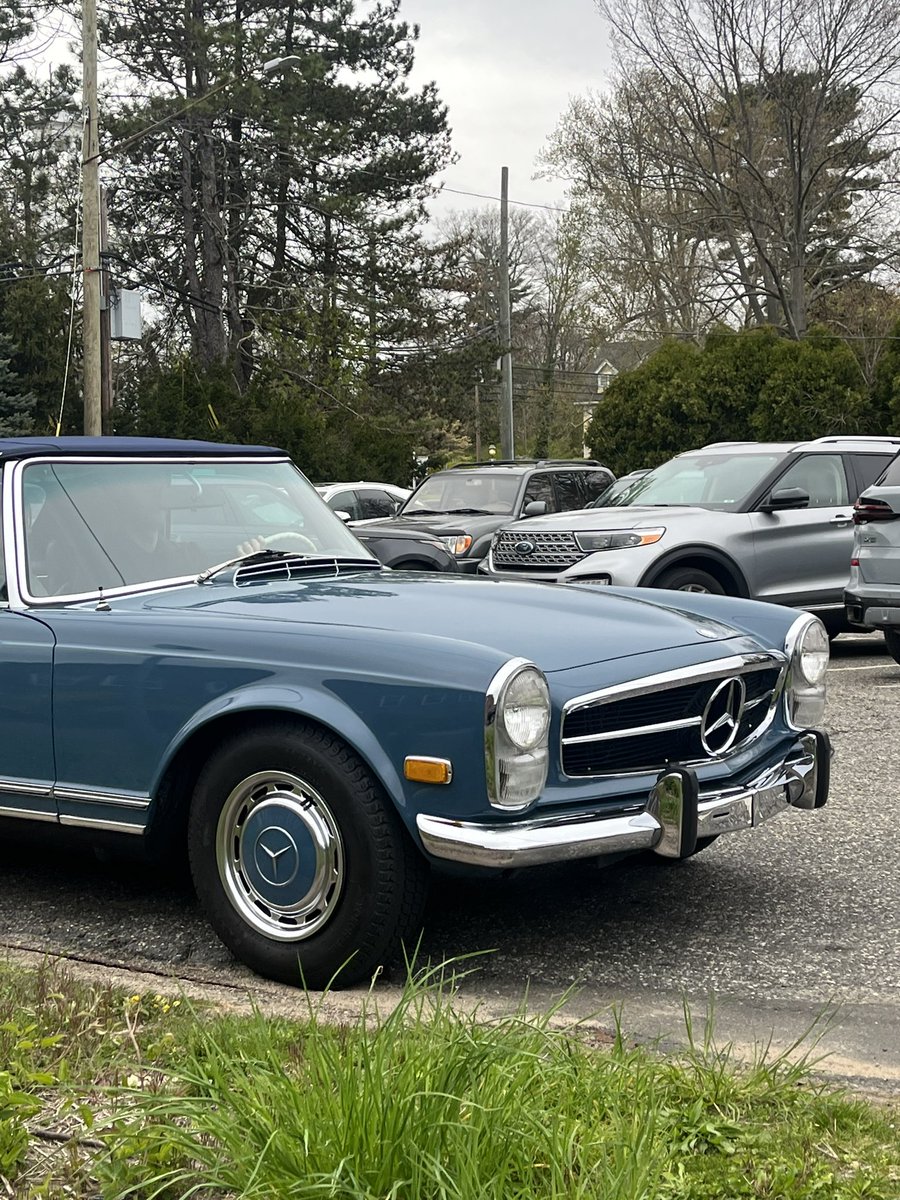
(676, 815)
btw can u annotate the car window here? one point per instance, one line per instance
(822, 476)
(373, 502)
(112, 524)
(540, 487)
(448, 491)
(347, 502)
(721, 481)
(870, 467)
(569, 491)
(596, 484)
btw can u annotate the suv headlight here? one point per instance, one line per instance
(618, 539)
(459, 543)
(516, 735)
(806, 646)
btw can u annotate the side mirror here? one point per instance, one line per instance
(783, 498)
(343, 514)
(535, 508)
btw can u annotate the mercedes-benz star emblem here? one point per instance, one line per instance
(524, 547)
(271, 847)
(721, 720)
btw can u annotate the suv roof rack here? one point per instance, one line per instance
(531, 462)
(737, 442)
(857, 437)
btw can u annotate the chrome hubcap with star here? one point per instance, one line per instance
(280, 855)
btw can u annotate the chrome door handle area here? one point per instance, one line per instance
(841, 519)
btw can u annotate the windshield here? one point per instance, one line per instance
(706, 480)
(114, 524)
(464, 491)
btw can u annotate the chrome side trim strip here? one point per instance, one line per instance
(25, 789)
(92, 823)
(119, 800)
(27, 814)
(636, 731)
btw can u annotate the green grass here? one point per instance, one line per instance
(427, 1102)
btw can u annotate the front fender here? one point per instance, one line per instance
(315, 704)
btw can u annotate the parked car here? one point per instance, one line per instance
(197, 649)
(363, 501)
(873, 592)
(769, 521)
(464, 505)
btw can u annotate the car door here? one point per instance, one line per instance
(802, 555)
(26, 727)
(539, 487)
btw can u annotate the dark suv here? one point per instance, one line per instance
(466, 504)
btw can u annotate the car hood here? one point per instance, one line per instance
(443, 524)
(623, 517)
(556, 627)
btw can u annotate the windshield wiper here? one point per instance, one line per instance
(474, 512)
(423, 512)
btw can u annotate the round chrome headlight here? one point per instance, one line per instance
(812, 653)
(525, 709)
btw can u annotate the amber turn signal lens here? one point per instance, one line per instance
(428, 770)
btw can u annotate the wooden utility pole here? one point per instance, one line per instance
(90, 237)
(106, 384)
(507, 436)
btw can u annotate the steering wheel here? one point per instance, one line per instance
(290, 540)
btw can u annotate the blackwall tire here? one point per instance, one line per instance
(302, 865)
(689, 579)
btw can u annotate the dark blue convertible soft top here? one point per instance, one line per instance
(11, 448)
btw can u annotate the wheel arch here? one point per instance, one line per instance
(713, 561)
(189, 753)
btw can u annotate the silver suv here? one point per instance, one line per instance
(771, 521)
(873, 593)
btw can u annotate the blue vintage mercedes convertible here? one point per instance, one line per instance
(195, 646)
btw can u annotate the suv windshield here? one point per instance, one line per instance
(112, 524)
(705, 480)
(455, 491)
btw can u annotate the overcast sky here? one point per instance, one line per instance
(506, 69)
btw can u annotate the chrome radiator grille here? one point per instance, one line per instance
(700, 717)
(533, 551)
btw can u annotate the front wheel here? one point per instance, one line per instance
(892, 641)
(689, 579)
(301, 863)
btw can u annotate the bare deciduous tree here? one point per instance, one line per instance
(748, 153)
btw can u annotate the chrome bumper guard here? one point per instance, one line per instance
(676, 816)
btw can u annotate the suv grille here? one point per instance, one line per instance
(645, 730)
(548, 551)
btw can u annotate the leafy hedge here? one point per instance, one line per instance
(753, 385)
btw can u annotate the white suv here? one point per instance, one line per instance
(768, 521)
(873, 593)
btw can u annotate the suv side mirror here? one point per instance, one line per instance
(535, 508)
(782, 498)
(345, 516)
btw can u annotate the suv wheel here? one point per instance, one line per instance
(689, 579)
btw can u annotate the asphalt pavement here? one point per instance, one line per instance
(785, 929)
